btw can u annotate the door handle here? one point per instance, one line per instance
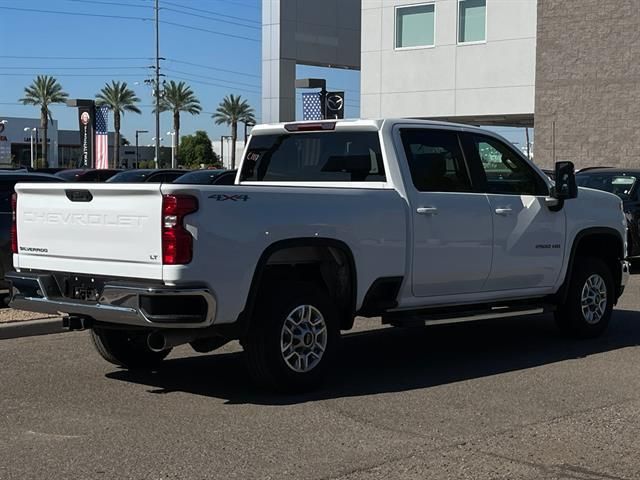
(427, 210)
(503, 211)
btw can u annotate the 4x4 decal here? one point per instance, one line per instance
(223, 197)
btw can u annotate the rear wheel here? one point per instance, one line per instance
(293, 338)
(126, 349)
(589, 304)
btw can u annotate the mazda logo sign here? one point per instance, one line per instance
(335, 102)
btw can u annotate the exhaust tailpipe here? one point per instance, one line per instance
(159, 341)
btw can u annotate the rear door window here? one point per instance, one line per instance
(314, 157)
(435, 160)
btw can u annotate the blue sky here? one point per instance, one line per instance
(212, 44)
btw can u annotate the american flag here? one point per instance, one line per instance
(311, 106)
(102, 137)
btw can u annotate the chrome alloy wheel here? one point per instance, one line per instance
(303, 339)
(594, 299)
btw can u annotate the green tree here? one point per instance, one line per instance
(232, 110)
(178, 97)
(196, 149)
(44, 91)
(119, 98)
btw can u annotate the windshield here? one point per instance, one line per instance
(620, 184)
(131, 176)
(314, 157)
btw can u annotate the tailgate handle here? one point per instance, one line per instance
(79, 195)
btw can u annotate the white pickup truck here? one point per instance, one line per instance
(409, 220)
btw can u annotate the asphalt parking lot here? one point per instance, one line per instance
(506, 399)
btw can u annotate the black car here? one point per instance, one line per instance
(624, 183)
(208, 177)
(87, 174)
(142, 175)
(8, 181)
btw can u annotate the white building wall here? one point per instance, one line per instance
(494, 78)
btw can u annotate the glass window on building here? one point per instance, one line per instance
(472, 21)
(415, 26)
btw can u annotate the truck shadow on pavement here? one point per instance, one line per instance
(398, 359)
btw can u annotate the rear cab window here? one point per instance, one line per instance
(349, 156)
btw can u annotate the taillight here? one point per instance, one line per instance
(14, 223)
(177, 242)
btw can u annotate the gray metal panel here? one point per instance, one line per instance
(304, 32)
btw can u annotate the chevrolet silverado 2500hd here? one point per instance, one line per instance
(413, 221)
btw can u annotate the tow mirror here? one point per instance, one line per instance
(565, 177)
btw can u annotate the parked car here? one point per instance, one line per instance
(622, 182)
(87, 174)
(414, 221)
(141, 175)
(208, 177)
(8, 181)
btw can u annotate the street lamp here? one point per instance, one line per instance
(173, 149)
(222, 137)
(137, 159)
(246, 125)
(31, 132)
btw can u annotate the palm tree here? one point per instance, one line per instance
(231, 111)
(44, 91)
(178, 97)
(119, 98)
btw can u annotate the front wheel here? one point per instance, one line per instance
(293, 338)
(126, 349)
(589, 304)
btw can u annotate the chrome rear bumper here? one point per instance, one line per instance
(124, 303)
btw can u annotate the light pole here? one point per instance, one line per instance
(222, 137)
(31, 132)
(156, 142)
(246, 125)
(173, 149)
(137, 158)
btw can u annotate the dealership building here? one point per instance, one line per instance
(64, 149)
(567, 68)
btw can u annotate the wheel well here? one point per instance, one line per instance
(329, 264)
(601, 244)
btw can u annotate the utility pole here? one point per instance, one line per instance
(138, 132)
(157, 84)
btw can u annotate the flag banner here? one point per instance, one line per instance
(85, 122)
(335, 105)
(102, 138)
(311, 106)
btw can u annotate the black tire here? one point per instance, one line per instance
(266, 361)
(570, 317)
(126, 349)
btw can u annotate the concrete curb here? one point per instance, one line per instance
(30, 328)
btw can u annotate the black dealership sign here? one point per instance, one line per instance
(86, 122)
(334, 105)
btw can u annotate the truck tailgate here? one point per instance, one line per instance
(101, 229)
